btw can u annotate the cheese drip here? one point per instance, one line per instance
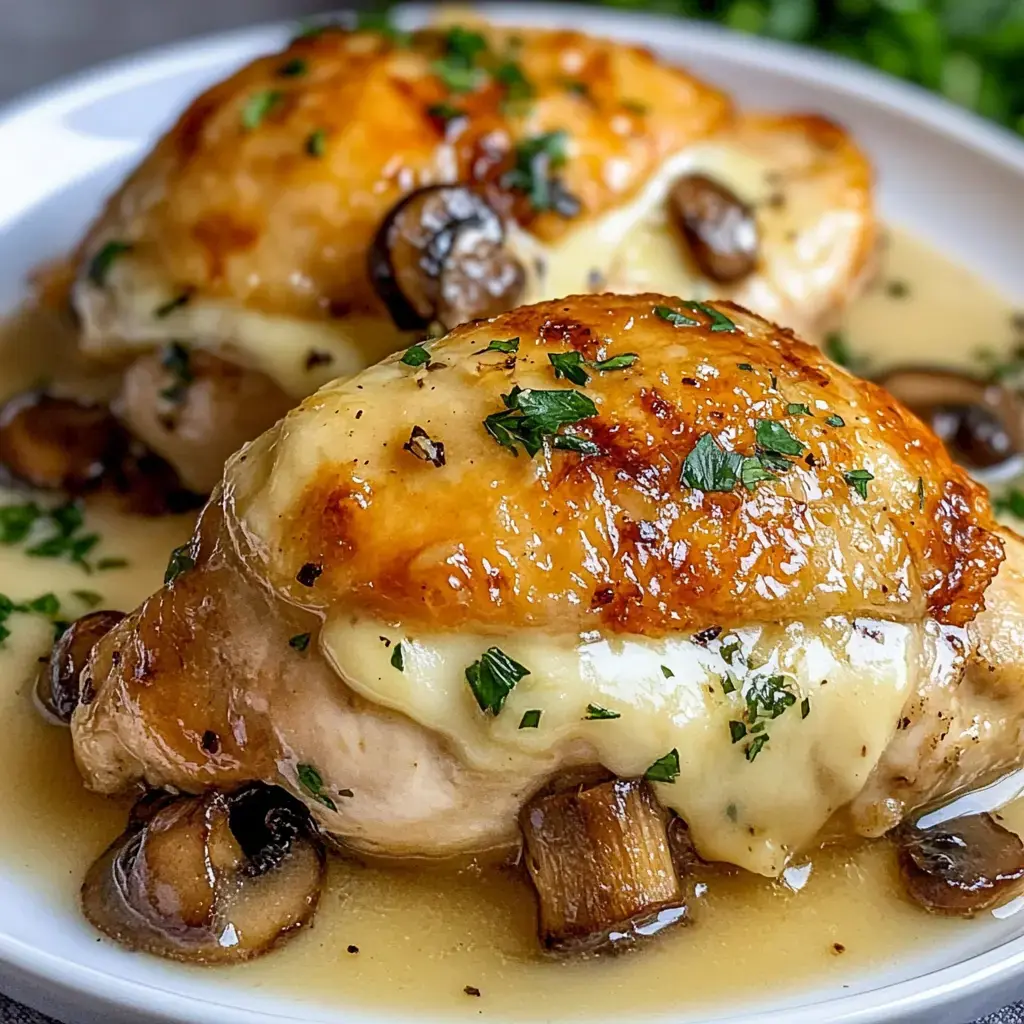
(849, 681)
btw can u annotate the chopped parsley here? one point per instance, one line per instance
(755, 746)
(805, 707)
(835, 421)
(569, 365)
(710, 468)
(920, 496)
(181, 560)
(398, 658)
(316, 143)
(46, 605)
(294, 68)
(459, 69)
(596, 713)
(858, 479)
(300, 642)
(728, 686)
(90, 598)
(493, 678)
(415, 355)
(506, 345)
(312, 782)
(619, 362)
(532, 174)
(837, 348)
(717, 322)
(675, 318)
(445, 112)
(737, 730)
(798, 409)
(530, 719)
(1010, 502)
(667, 672)
(665, 769)
(774, 438)
(729, 650)
(635, 106)
(530, 416)
(181, 299)
(100, 264)
(258, 106)
(53, 533)
(518, 88)
(177, 361)
(744, 366)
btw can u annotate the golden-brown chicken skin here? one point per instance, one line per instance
(660, 536)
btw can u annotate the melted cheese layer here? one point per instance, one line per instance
(669, 695)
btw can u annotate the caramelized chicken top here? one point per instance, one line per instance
(273, 183)
(635, 464)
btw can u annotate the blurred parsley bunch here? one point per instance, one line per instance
(971, 51)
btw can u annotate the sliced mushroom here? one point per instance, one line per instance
(601, 862)
(57, 443)
(962, 866)
(719, 228)
(59, 683)
(980, 423)
(440, 255)
(209, 879)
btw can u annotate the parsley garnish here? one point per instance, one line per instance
(835, 421)
(316, 143)
(415, 355)
(458, 68)
(920, 496)
(838, 350)
(728, 686)
(258, 106)
(665, 769)
(176, 359)
(293, 68)
(46, 605)
(518, 88)
(181, 560)
(501, 345)
(737, 730)
(300, 641)
(493, 678)
(674, 318)
(530, 416)
(530, 719)
(619, 362)
(710, 468)
(63, 539)
(100, 264)
(398, 658)
(181, 299)
(536, 158)
(596, 713)
(667, 672)
(798, 409)
(569, 365)
(858, 479)
(805, 707)
(16, 521)
(111, 563)
(635, 106)
(755, 746)
(744, 366)
(90, 598)
(717, 321)
(773, 437)
(312, 782)
(445, 112)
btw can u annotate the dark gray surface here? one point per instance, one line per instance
(40, 40)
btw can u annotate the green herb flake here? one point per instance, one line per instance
(493, 678)
(730, 650)
(312, 782)
(835, 421)
(316, 143)
(530, 416)
(635, 107)
(459, 68)
(46, 604)
(737, 730)
(773, 437)
(415, 355)
(745, 366)
(536, 158)
(805, 707)
(100, 264)
(398, 658)
(920, 496)
(258, 106)
(16, 521)
(106, 564)
(756, 745)
(837, 348)
(728, 686)
(858, 479)
(294, 68)
(518, 88)
(445, 112)
(667, 672)
(181, 560)
(570, 366)
(798, 409)
(596, 713)
(665, 769)
(300, 642)
(768, 697)
(709, 468)
(90, 598)
(675, 318)
(183, 298)
(530, 719)
(505, 345)
(620, 362)
(576, 87)
(753, 471)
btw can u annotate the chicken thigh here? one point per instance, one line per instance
(659, 536)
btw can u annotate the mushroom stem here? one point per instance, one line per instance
(601, 862)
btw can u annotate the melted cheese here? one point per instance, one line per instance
(669, 695)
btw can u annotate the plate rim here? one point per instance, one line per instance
(945, 987)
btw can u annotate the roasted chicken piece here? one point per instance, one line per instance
(329, 204)
(663, 537)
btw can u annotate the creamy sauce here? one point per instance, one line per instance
(423, 936)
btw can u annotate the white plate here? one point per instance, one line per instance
(943, 174)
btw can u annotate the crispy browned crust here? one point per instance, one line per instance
(615, 541)
(252, 215)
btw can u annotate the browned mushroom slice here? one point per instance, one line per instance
(980, 423)
(208, 879)
(440, 255)
(600, 859)
(59, 681)
(720, 229)
(57, 443)
(962, 866)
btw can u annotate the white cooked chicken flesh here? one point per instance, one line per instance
(324, 206)
(663, 537)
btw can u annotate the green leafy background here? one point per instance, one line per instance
(971, 51)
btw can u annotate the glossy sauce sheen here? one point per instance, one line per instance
(423, 936)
